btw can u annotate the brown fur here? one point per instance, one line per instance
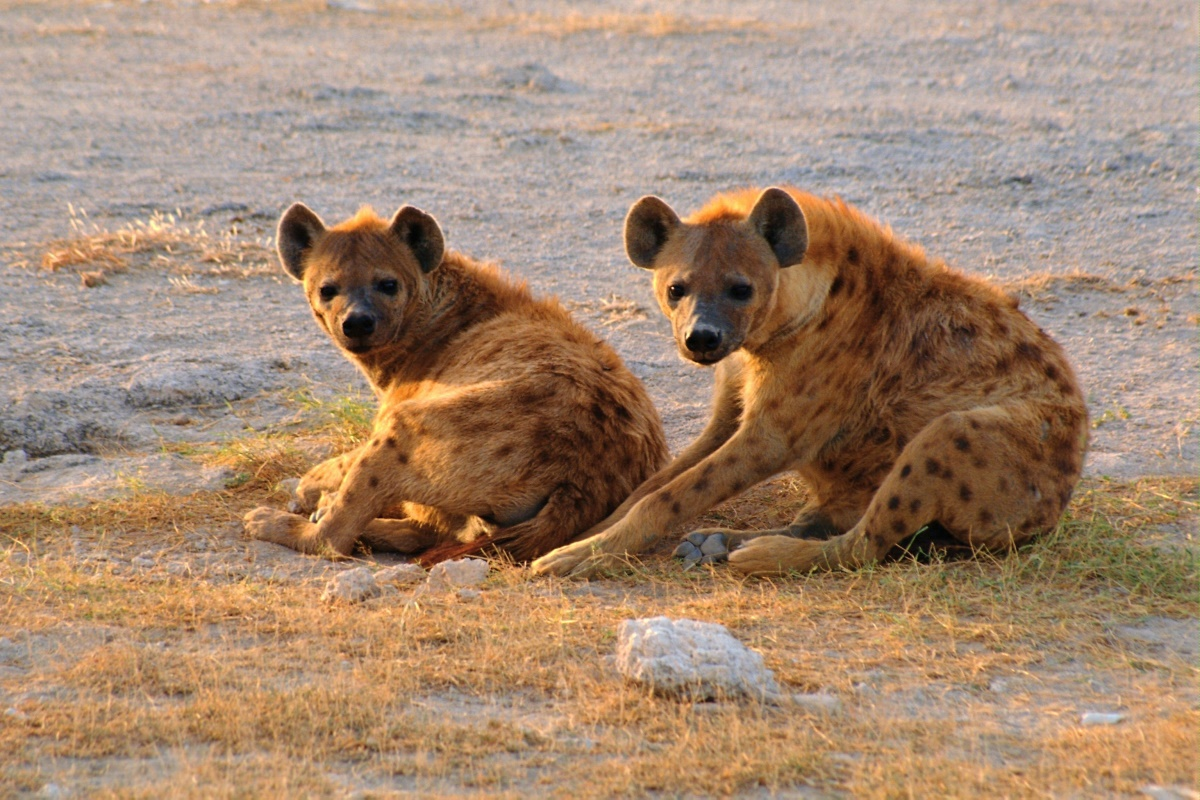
(903, 392)
(502, 422)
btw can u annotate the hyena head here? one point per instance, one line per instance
(716, 280)
(365, 277)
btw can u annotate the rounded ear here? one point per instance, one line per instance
(647, 226)
(777, 217)
(422, 234)
(299, 229)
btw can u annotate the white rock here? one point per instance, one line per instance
(818, 703)
(401, 574)
(464, 572)
(698, 660)
(352, 586)
(1155, 792)
(1100, 718)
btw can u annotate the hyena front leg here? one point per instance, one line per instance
(324, 478)
(753, 454)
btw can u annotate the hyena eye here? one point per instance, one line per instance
(676, 291)
(741, 292)
(328, 292)
(388, 287)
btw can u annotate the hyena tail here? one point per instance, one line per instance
(565, 514)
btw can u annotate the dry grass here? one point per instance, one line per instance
(122, 676)
(164, 242)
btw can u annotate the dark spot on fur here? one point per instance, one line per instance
(974, 424)
(914, 506)
(1029, 352)
(1051, 372)
(598, 412)
(623, 413)
(676, 507)
(899, 527)
(979, 463)
(373, 482)
(932, 467)
(906, 470)
(881, 543)
(986, 517)
(962, 443)
(665, 497)
(700, 485)
(374, 443)
(824, 323)
(1003, 485)
(964, 492)
(708, 470)
(389, 442)
(894, 502)
(836, 286)
(852, 255)
(1064, 466)
(901, 442)
(402, 458)
(504, 451)
(880, 436)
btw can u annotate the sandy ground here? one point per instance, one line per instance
(1051, 147)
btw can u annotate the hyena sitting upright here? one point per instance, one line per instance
(904, 393)
(502, 422)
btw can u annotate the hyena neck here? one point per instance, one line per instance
(459, 295)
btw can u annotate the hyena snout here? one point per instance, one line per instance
(358, 325)
(703, 339)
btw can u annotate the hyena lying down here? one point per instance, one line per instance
(501, 421)
(904, 393)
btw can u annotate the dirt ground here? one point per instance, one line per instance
(1049, 146)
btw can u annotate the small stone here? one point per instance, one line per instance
(1100, 718)
(288, 485)
(469, 594)
(819, 702)
(16, 714)
(141, 562)
(15, 458)
(687, 551)
(692, 659)
(401, 574)
(716, 544)
(463, 572)
(179, 568)
(352, 586)
(1156, 792)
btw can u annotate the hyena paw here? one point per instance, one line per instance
(271, 525)
(308, 497)
(776, 555)
(709, 546)
(323, 506)
(584, 559)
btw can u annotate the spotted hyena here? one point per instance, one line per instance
(501, 422)
(905, 394)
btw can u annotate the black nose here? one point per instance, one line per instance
(357, 326)
(703, 340)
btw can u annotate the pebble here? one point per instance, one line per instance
(1100, 718)
(401, 574)
(352, 586)
(463, 572)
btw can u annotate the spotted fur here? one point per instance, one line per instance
(904, 393)
(502, 423)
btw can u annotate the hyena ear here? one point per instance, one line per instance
(299, 229)
(778, 219)
(647, 226)
(422, 234)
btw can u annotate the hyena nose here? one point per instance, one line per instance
(703, 340)
(357, 326)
